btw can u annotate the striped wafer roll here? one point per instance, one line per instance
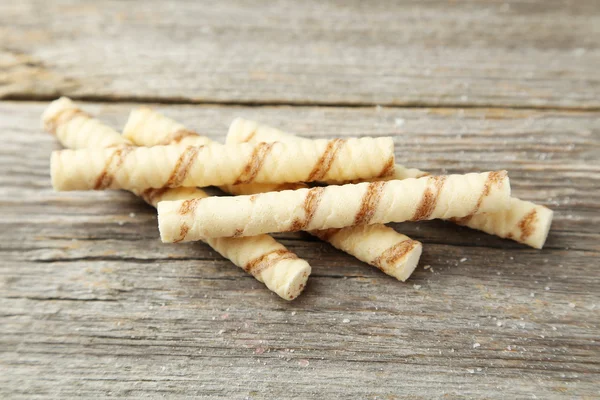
(335, 206)
(246, 131)
(378, 245)
(75, 129)
(524, 221)
(174, 166)
(146, 127)
(262, 256)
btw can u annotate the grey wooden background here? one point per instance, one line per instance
(93, 305)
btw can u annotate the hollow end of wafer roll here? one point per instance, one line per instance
(293, 274)
(404, 267)
(172, 232)
(538, 239)
(53, 109)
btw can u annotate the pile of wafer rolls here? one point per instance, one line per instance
(341, 191)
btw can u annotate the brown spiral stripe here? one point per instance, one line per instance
(395, 253)
(63, 117)
(311, 203)
(527, 224)
(369, 203)
(258, 265)
(183, 231)
(388, 168)
(188, 206)
(430, 198)
(182, 166)
(494, 178)
(254, 165)
(249, 137)
(324, 163)
(176, 137)
(113, 163)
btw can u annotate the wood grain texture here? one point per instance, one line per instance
(521, 53)
(93, 305)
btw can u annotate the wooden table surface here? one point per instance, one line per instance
(93, 305)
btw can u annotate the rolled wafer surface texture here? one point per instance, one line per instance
(268, 261)
(175, 166)
(76, 129)
(335, 206)
(524, 221)
(246, 131)
(378, 245)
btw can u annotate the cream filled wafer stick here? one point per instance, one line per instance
(262, 256)
(75, 129)
(174, 166)
(145, 127)
(394, 254)
(524, 221)
(246, 131)
(335, 206)
(378, 245)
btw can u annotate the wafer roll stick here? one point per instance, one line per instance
(174, 166)
(263, 257)
(378, 245)
(524, 221)
(335, 206)
(145, 127)
(246, 131)
(393, 253)
(75, 129)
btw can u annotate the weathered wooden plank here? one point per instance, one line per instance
(92, 304)
(519, 53)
